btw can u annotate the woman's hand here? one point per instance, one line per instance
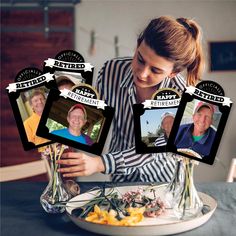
(76, 164)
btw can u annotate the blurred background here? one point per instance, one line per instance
(33, 31)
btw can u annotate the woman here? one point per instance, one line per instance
(165, 48)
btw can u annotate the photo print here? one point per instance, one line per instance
(28, 95)
(153, 121)
(200, 122)
(67, 80)
(76, 118)
(69, 69)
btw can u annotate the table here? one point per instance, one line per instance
(22, 214)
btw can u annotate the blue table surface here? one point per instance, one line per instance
(22, 214)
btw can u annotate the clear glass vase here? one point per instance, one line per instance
(55, 192)
(175, 187)
(187, 203)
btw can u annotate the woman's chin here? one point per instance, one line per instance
(140, 84)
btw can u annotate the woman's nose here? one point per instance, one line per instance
(144, 72)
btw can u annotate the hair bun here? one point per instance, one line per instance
(187, 26)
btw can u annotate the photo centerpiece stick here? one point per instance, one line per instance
(153, 120)
(194, 142)
(28, 95)
(69, 69)
(77, 118)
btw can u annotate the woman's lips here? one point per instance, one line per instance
(140, 81)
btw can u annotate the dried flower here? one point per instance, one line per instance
(127, 209)
(54, 151)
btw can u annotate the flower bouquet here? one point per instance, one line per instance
(55, 191)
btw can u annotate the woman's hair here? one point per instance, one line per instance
(178, 40)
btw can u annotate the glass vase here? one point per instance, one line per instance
(174, 188)
(186, 202)
(55, 192)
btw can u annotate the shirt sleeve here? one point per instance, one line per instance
(160, 141)
(151, 167)
(98, 83)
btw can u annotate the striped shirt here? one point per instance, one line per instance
(160, 141)
(115, 86)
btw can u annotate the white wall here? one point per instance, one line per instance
(126, 18)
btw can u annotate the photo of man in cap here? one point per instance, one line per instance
(77, 118)
(167, 120)
(199, 135)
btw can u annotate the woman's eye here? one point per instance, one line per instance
(140, 61)
(154, 71)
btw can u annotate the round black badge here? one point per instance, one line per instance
(28, 74)
(69, 56)
(85, 91)
(211, 87)
(166, 94)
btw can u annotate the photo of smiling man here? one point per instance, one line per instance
(76, 118)
(199, 135)
(37, 103)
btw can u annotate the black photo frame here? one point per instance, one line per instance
(199, 96)
(149, 135)
(143, 146)
(72, 64)
(60, 106)
(27, 81)
(222, 56)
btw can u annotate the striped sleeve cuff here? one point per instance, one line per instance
(109, 163)
(114, 163)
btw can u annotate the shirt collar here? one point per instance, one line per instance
(128, 79)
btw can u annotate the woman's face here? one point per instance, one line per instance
(148, 68)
